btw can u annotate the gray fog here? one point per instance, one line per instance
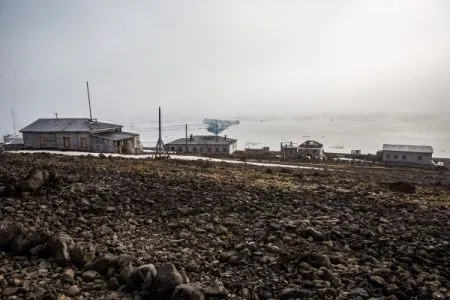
(203, 58)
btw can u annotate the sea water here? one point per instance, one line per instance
(337, 133)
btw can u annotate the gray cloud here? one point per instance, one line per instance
(223, 58)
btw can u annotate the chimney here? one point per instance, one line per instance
(191, 137)
(225, 136)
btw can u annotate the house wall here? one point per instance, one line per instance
(289, 152)
(204, 148)
(310, 152)
(407, 157)
(74, 141)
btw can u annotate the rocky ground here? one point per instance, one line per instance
(111, 228)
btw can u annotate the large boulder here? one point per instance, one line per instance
(402, 187)
(34, 181)
(110, 264)
(187, 292)
(8, 231)
(141, 277)
(59, 245)
(82, 253)
(166, 280)
(24, 242)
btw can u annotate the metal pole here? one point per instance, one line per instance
(89, 100)
(186, 149)
(14, 123)
(160, 123)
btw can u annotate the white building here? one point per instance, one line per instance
(407, 154)
(203, 144)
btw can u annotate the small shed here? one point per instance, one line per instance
(407, 154)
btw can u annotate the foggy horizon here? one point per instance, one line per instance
(203, 59)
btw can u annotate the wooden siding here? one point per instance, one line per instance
(78, 142)
(407, 157)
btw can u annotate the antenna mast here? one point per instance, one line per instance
(89, 100)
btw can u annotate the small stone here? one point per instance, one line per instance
(89, 275)
(273, 248)
(311, 232)
(10, 291)
(294, 293)
(73, 291)
(438, 296)
(359, 292)
(68, 276)
(112, 284)
(377, 280)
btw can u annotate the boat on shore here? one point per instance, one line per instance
(13, 141)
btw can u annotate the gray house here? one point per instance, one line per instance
(407, 154)
(311, 148)
(203, 144)
(79, 134)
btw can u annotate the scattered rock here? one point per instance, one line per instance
(89, 275)
(73, 291)
(141, 277)
(9, 230)
(215, 289)
(187, 292)
(311, 232)
(68, 276)
(59, 245)
(402, 187)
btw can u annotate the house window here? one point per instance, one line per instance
(83, 142)
(395, 156)
(42, 141)
(172, 148)
(388, 156)
(404, 157)
(419, 157)
(180, 149)
(225, 149)
(201, 149)
(217, 149)
(209, 149)
(66, 142)
(194, 149)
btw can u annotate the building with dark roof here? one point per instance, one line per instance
(407, 154)
(311, 148)
(203, 144)
(79, 134)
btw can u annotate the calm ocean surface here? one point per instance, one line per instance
(338, 134)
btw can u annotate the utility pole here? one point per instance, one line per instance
(159, 150)
(89, 100)
(186, 146)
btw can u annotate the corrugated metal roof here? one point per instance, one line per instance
(204, 140)
(67, 125)
(408, 148)
(116, 136)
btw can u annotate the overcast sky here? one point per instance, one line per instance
(223, 58)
